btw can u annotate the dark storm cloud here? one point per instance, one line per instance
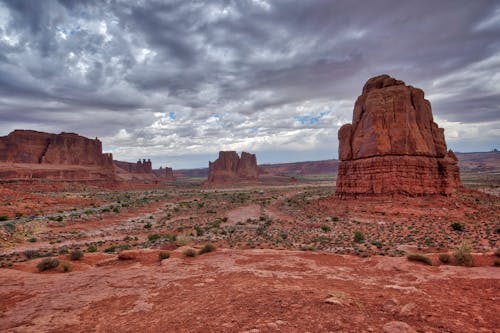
(156, 78)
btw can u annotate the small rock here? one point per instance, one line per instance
(398, 327)
(408, 309)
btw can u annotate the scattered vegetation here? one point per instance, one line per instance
(91, 248)
(457, 226)
(3, 218)
(46, 264)
(420, 258)
(444, 258)
(76, 254)
(163, 255)
(207, 248)
(462, 255)
(66, 267)
(189, 253)
(31, 254)
(358, 237)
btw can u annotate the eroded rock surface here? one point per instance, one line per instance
(229, 167)
(393, 144)
(25, 146)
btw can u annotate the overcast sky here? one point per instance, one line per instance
(177, 81)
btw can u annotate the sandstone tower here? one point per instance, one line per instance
(393, 145)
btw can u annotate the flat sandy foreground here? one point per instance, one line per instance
(249, 291)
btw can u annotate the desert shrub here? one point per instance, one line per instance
(163, 255)
(199, 230)
(47, 263)
(116, 210)
(32, 240)
(444, 258)
(19, 215)
(358, 237)
(10, 226)
(30, 254)
(3, 218)
(335, 218)
(76, 254)
(91, 249)
(63, 250)
(207, 248)
(462, 255)
(59, 218)
(325, 228)
(66, 267)
(147, 226)
(189, 253)
(457, 226)
(153, 237)
(420, 258)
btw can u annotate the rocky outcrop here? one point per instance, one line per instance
(143, 166)
(164, 173)
(393, 144)
(24, 146)
(229, 167)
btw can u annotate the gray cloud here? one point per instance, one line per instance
(180, 80)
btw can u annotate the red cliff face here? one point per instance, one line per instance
(23, 146)
(393, 144)
(229, 167)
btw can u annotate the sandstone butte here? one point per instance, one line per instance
(66, 156)
(32, 147)
(393, 145)
(229, 167)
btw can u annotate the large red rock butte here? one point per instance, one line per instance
(393, 145)
(229, 167)
(26, 146)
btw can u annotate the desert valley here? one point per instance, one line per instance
(400, 235)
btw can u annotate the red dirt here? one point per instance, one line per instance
(250, 291)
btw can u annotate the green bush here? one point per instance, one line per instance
(32, 240)
(76, 254)
(444, 258)
(47, 263)
(457, 226)
(153, 237)
(420, 258)
(189, 253)
(30, 254)
(326, 228)
(91, 249)
(163, 255)
(207, 248)
(3, 218)
(358, 237)
(462, 255)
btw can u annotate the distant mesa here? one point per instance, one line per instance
(393, 145)
(26, 146)
(164, 173)
(143, 166)
(27, 154)
(229, 168)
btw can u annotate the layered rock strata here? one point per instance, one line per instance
(25, 146)
(393, 144)
(229, 167)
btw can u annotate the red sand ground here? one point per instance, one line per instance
(249, 291)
